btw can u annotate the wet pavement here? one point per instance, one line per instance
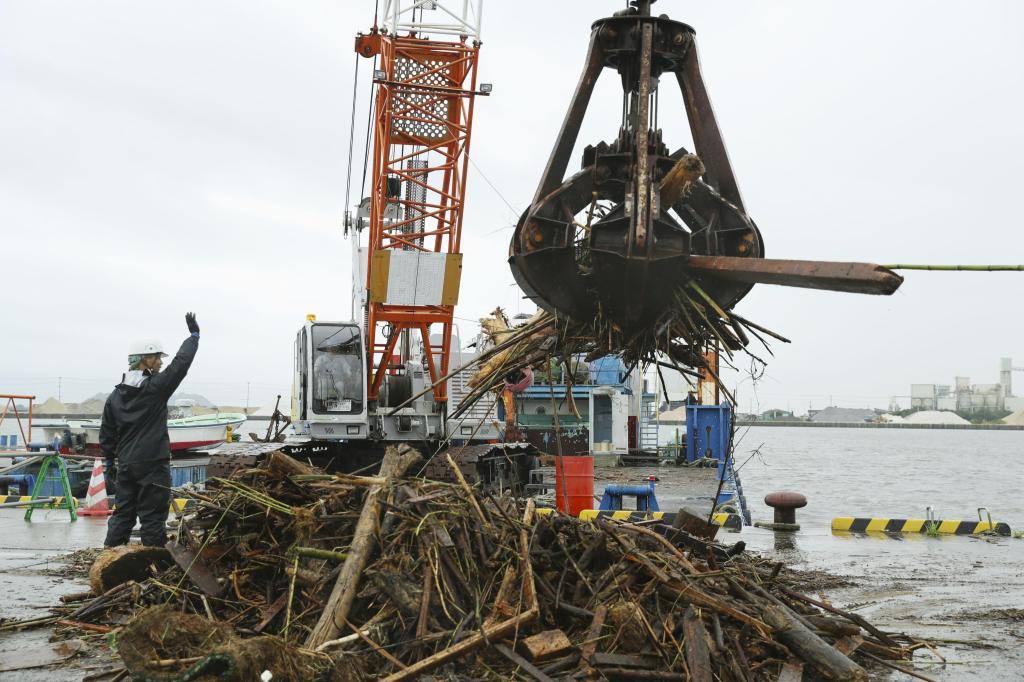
(31, 581)
(944, 588)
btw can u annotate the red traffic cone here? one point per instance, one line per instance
(96, 502)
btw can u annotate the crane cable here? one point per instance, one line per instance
(352, 126)
(366, 138)
(373, 102)
(351, 142)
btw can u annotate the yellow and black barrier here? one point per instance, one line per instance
(57, 501)
(181, 504)
(850, 524)
(728, 521)
(177, 504)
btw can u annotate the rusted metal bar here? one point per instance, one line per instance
(855, 278)
(643, 214)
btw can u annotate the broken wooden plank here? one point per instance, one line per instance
(695, 642)
(847, 645)
(524, 665)
(195, 569)
(694, 525)
(642, 675)
(271, 612)
(546, 645)
(606, 660)
(792, 671)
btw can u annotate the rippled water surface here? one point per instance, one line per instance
(885, 472)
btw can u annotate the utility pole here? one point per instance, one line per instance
(60, 380)
(247, 397)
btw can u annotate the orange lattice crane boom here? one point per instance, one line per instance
(426, 87)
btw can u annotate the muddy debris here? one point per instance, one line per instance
(814, 580)
(309, 575)
(74, 564)
(1008, 615)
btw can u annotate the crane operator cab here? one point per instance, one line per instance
(337, 369)
(329, 390)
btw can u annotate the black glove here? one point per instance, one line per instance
(111, 470)
(190, 320)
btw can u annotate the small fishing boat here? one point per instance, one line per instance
(186, 433)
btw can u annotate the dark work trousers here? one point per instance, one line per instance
(143, 492)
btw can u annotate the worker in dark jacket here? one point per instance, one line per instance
(135, 443)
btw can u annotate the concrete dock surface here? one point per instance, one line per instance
(32, 580)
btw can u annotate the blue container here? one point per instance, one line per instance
(707, 433)
(607, 370)
(187, 473)
(52, 486)
(17, 484)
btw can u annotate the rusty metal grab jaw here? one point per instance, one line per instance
(627, 263)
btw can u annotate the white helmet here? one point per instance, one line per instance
(146, 348)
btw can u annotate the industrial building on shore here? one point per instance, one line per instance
(963, 396)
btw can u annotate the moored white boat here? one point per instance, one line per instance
(186, 433)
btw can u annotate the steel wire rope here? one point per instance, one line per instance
(351, 140)
(490, 184)
(369, 117)
(369, 120)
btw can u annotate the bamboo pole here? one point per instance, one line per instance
(316, 553)
(957, 268)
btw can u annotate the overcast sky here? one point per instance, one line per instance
(159, 157)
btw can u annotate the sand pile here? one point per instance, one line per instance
(935, 417)
(676, 415)
(50, 406)
(1015, 419)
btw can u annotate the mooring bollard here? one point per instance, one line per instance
(785, 503)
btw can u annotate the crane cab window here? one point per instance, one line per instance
(337, 369)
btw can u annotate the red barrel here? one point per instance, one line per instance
(579, 484)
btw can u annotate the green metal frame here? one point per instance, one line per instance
(69, 500)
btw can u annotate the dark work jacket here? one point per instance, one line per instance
(134, 427)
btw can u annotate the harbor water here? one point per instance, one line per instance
(885, 472)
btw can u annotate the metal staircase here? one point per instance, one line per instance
(741, 499)
(649, 422)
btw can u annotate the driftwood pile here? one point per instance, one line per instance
(343, 577)
(679, 341)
